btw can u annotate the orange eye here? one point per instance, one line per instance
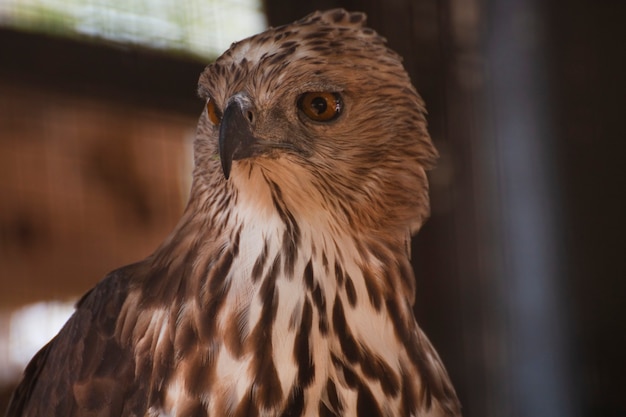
(320, 106)
(215, 116)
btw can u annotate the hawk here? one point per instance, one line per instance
(286, 288)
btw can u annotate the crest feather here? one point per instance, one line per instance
(336, 17)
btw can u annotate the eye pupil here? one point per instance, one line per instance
(319, 105)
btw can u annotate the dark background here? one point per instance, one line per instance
(521, 268)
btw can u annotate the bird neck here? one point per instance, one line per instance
(267, 230)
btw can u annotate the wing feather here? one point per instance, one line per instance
(84, 370)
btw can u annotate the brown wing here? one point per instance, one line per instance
(84, 370)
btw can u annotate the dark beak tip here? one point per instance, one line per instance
(226, 166)
(226, 175)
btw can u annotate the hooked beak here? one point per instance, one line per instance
(236, 140)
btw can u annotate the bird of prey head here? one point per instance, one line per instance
(286, 288)
(326, 111)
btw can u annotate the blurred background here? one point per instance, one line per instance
(521, 269)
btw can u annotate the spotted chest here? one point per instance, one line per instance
(294, 332)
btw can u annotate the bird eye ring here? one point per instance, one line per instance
(213, 112)
(320, 106)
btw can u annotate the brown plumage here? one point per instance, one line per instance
(286, 288)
